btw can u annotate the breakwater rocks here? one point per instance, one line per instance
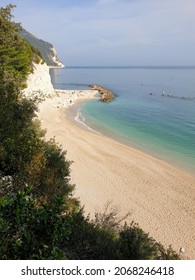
(178, 97)
(173, 96)
(106, 95)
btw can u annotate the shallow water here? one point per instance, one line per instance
(154, 110)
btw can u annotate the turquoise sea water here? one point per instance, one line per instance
(154, 110)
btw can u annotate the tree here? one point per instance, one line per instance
(15, 52)
(16, 125)
(8, 30)
(24, 154)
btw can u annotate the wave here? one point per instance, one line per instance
(81, 119)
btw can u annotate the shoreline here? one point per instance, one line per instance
(159, 196)
(174, 162)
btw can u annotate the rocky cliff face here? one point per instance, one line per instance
(47, 50)
(55, 58)
(39, 82)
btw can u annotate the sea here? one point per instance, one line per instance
(153, 111)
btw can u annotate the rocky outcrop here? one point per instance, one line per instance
(55, 59)
(106, 95)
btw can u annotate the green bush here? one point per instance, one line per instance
(135, 244)
(29, 231)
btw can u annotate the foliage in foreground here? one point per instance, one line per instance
(50, 231)
(24, 154)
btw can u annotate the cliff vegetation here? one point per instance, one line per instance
(46, 49)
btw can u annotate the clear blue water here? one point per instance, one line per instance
(163, 126)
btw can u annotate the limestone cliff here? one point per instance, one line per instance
(39, 82)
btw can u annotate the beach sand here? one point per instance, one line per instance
(160, 198)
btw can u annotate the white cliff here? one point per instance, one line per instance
(39, 82)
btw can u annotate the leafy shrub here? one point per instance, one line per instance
(29, 231)
(135, 244)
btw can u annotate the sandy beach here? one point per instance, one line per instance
(160, 198)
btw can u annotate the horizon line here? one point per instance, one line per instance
(129, 66)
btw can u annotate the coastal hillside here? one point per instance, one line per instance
(47, 50)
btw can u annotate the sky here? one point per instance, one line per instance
(113, 32)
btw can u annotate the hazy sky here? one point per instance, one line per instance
(113, 32)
